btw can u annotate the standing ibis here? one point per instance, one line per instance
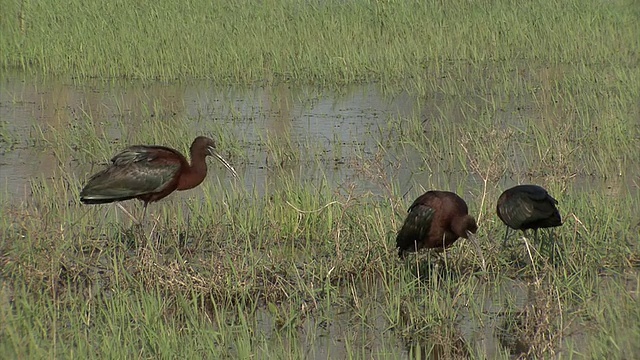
(436, 220)
(526, 207)
(150, 173)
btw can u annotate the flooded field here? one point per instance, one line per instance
(296, 255)
(335, 129)
(305, 130)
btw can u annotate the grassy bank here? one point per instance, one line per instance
(328, 42)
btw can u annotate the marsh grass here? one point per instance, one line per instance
(333, 42)
(236, 272)
(305, 265)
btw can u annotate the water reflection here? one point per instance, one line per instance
(303, 131)
(338, 126)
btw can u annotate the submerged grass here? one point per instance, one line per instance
(328, 42)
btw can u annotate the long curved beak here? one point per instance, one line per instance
(472, 237)
(213, 152)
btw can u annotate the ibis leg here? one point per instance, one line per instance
(144, 211)
(506, 235)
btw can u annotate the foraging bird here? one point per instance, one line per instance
(525, 207)
(150, 173)
(436, 220)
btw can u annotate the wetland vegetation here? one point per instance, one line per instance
(296, 258)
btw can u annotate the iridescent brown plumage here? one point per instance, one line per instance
(436, 220)
(526, 207)
(150, 173)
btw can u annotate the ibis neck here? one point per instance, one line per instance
(464, 225)
(193, 174)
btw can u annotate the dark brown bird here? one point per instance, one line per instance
(436, 220)
(526, 207)
(150, 173)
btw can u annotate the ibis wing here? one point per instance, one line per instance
(517, 210)
(545, 208)
(430, 197)
(133, 172)
(546, 214)
(134, 154)
(533, 192)
(416, 227)
(527, 208)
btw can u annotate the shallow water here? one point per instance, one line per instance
(338, 124)
(335, 332)
(345, 128)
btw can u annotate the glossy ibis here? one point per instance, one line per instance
(436, 220)
(150, 173)
(526, 207)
